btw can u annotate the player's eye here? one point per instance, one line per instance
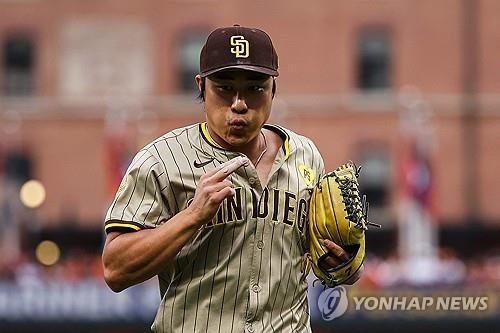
(257, 88)
(224, 88)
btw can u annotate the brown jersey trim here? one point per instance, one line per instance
(284, 135)
(117, 225)
(205, 134)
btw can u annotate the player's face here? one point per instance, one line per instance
(237, 104)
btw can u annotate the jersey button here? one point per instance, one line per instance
(256, 288)
(250, 328)
(260, 244)
(252, 181)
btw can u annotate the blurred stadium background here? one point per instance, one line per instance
(410, 89)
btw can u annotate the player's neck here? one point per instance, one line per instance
(255, 149)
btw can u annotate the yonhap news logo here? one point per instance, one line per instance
(421, 303)
(334, 302)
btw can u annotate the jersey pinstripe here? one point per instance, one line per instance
(245, 270)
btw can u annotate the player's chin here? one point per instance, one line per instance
(237, 141)
(238, 138)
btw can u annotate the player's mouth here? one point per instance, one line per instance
(238, 124)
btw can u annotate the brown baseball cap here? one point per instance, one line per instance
(238, 47)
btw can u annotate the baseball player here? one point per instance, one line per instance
(218, 210)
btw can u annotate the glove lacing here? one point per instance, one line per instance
(356, 213)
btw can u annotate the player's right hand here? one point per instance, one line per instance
(212, 189)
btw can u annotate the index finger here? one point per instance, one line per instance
(338, 251)
(225, 169)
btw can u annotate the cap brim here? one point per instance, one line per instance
(263, 70)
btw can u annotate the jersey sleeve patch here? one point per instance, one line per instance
(139, 202)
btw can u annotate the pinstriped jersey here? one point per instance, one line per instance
(245, 269)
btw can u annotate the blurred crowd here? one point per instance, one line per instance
(449, 271)
(74, 267)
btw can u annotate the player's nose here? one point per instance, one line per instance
(239, 105)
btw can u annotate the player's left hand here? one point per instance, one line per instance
(339, 256)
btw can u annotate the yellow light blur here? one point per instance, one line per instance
(32, 194)
(47, 253)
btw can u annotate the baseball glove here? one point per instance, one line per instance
(339, 214)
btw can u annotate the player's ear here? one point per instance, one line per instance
(200, 82)
(273, 92)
